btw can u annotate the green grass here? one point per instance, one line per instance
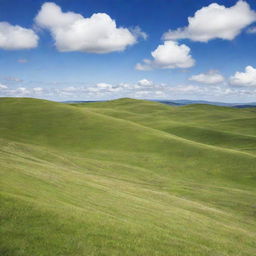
(126, 177)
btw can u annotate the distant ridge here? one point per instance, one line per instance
(79, 101)
(183, 103)
(188, 102)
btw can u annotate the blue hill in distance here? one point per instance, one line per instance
(184, 102)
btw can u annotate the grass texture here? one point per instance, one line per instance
(126, 177)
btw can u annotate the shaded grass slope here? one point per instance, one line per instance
(214, 125)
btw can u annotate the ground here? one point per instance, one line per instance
(126, 177)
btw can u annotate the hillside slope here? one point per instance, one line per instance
(126, 177)
(223, 126)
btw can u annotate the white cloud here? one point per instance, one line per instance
(104, 86)
(137, 32)
(23, 92)
(146, 94)
(215, 21)
(103, 91)
(246, 78)
(145, 66)
(145, 82)
(92, 89)
(37, 90)
(167, 56)
(3, 87)
(214, 92)
(211, 77)
(172, 55)
(251, 30)
(16, 37)
(18, 92)
(96, 34)
(143, 86)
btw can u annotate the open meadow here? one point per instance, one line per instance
(126, 177)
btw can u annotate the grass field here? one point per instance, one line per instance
(126, 177)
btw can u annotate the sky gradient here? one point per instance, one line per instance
(107, 49)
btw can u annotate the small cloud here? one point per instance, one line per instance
(246, 78)
(20, 92)
(137, 32)
(143, 67)
(211, 77)
(104, 86)
(145, 82)
(169, 55)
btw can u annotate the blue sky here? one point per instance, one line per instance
(95, 50)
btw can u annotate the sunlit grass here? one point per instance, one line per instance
(126, 177)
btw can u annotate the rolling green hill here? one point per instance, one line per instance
(126, 177)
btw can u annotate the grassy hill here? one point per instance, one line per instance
(126, 177)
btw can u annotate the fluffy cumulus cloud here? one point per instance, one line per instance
(246, 78)
(16, 37)
(168, 56)
(96, 34)
(215, 21)
(211, 77)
